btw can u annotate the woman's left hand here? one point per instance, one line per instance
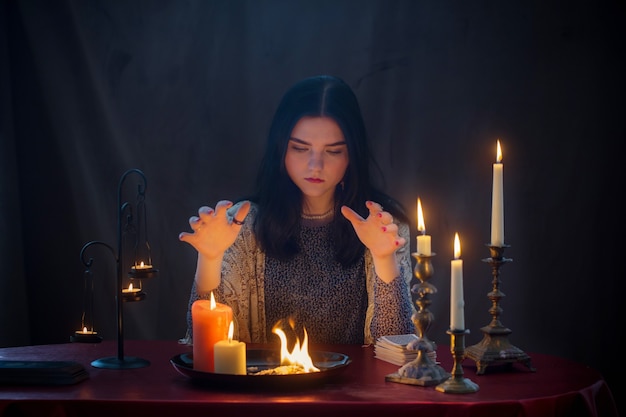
(377, 232)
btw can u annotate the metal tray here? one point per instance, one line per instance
(329, 364)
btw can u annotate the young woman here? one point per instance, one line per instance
(318, 243)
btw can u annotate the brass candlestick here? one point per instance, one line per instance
(422, 370)
(423, 317)
(495, 347)
(457, 384)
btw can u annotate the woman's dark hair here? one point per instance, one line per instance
(280, 200)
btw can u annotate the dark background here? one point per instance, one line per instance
(185, 90)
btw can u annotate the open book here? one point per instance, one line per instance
(393, 349)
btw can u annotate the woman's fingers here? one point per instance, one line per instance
(351, 215)
(241, 213)
(217, 221)
(193, 221)
(378, 231)
(222, 206)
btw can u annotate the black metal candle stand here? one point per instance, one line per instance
(136, 273)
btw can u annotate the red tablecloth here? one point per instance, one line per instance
(559, 387)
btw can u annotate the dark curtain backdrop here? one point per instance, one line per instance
(185, 90)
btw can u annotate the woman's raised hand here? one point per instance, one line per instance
(377, 232)
(214, 230)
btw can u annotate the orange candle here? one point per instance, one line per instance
(210, 325)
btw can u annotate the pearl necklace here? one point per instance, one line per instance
(318, 216)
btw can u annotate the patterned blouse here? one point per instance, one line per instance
(334, 305)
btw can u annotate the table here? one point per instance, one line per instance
(559, 387)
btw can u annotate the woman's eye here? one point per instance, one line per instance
(298, 148)
(335, 151)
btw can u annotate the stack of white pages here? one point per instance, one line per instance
(393, 349)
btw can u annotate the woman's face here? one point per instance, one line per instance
(316, 158)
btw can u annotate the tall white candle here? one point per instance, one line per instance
(497, 202)
(457, 316)
(230, 355)
(423, 240)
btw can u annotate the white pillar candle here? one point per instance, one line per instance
(497, 202)
(457, 317)
(230, 355)
(423, 240)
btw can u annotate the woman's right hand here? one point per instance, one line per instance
(214, 230)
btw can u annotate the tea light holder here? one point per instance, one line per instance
(87, 334)
(133, 293)
(495, 347)
(457, 383)
(136, 229)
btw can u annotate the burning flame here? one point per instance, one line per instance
(421, 226)
(498, 152)
(212, 303)
(299, 355)
(231, 331)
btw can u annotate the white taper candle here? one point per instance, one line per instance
(457, 316)
(497, 202)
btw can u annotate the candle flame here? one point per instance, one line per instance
(499, 153)
(141, 265)
(457, 246)
(231, 330)
(85, 329)
(130, 287)
(420, 217)
(213, 304)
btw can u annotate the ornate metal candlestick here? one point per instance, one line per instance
(141, 269)
(423, 317)
(422, 370)
(457, 384)
(495, 347)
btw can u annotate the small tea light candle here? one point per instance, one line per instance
(130, 289)
(86, 332)
(230, 355)
(423, 240)
(142, 270)
(141, 266)
(85, 336)
(210, 325)
(132, 294)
